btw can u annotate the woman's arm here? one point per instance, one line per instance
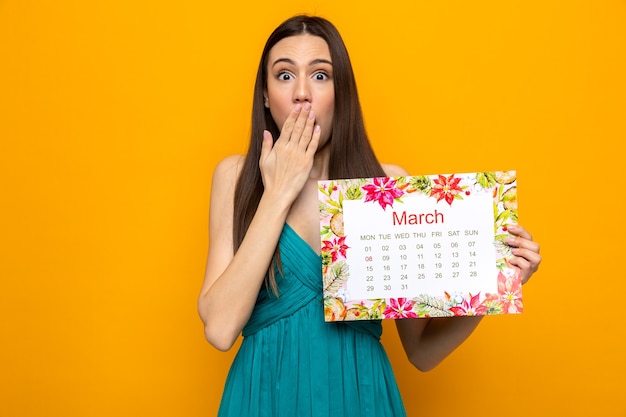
(429, 341)
(232, 280)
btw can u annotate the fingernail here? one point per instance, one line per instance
(297, 108)
(317, 129)
(311, 115)
(510, 240)
(307, 106)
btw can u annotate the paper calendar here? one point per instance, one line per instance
(418, 246)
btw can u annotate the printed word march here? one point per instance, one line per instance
(412, 218)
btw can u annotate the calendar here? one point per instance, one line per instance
(418, 246)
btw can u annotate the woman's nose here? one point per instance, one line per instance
(302, 92)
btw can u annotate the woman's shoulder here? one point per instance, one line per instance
(394, 170)
(229, 167)
(225, 176)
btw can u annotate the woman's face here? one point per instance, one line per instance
(299, 71)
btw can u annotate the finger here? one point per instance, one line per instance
(524, 274)
(266, 145)
(307, 133)
(288, 126)
(533, 258)
(527, 262)
(521, 238)
(300, 123)
(525, 266)
(520, 242)
(520, 231)
(315, 140)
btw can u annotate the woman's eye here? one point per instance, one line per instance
(284, 76)
(321, 76)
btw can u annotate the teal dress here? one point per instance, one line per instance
(291, 363)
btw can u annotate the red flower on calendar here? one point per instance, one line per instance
(447, 188)
(509, 293)
(383, 190)
(335, 247)
(471, 306)
(399, 308)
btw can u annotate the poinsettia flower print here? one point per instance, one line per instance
(446, 188)
(510, 292)
(383, 190)
(400, 308)
(471, 307)
(336, 247)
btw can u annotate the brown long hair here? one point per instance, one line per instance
(351, 155)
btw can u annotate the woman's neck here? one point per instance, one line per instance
(319, 171)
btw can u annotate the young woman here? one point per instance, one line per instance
(263, 274)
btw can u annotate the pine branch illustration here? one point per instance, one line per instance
(432, 306)
(335, 278)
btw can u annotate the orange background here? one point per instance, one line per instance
(114, 114)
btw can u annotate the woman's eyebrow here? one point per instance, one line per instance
(291, 62)
(320, 61)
